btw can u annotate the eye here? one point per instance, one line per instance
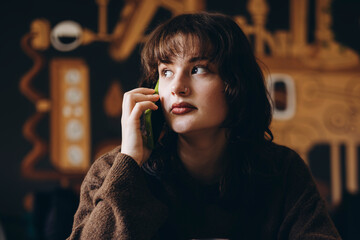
(199, 70)
(167, 73)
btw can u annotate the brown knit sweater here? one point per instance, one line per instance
(120, 201)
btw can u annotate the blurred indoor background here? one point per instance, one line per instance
(65, 65)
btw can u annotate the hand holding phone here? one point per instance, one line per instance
(135, 103)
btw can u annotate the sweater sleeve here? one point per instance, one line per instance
(116, 203)
(306, 215)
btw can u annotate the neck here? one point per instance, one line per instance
(202, 154)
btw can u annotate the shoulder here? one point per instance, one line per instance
(289, 160)
(295, 173)
(275, 159)
(280, 152)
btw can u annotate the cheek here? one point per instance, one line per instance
(216, 103)
(163, 94)
(214, 95)
(161, 91)
(164, 100)
(164, 108)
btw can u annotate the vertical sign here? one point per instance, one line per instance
(70, 118)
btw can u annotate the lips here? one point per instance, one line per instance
(181, 108)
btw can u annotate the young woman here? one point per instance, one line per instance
(215, 172)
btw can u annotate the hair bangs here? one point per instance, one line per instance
(179, 45)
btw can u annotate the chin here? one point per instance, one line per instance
(181, 127)
(180, 130)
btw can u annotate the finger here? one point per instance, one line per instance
(131, 99)
(143, 90)
(138, 97)
(141, 107)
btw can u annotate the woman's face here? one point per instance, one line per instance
(192, 94)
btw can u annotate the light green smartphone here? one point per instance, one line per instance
(154, 121)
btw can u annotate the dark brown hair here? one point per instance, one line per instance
(218, 38)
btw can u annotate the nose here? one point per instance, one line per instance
(180, 85)
(180, 91)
